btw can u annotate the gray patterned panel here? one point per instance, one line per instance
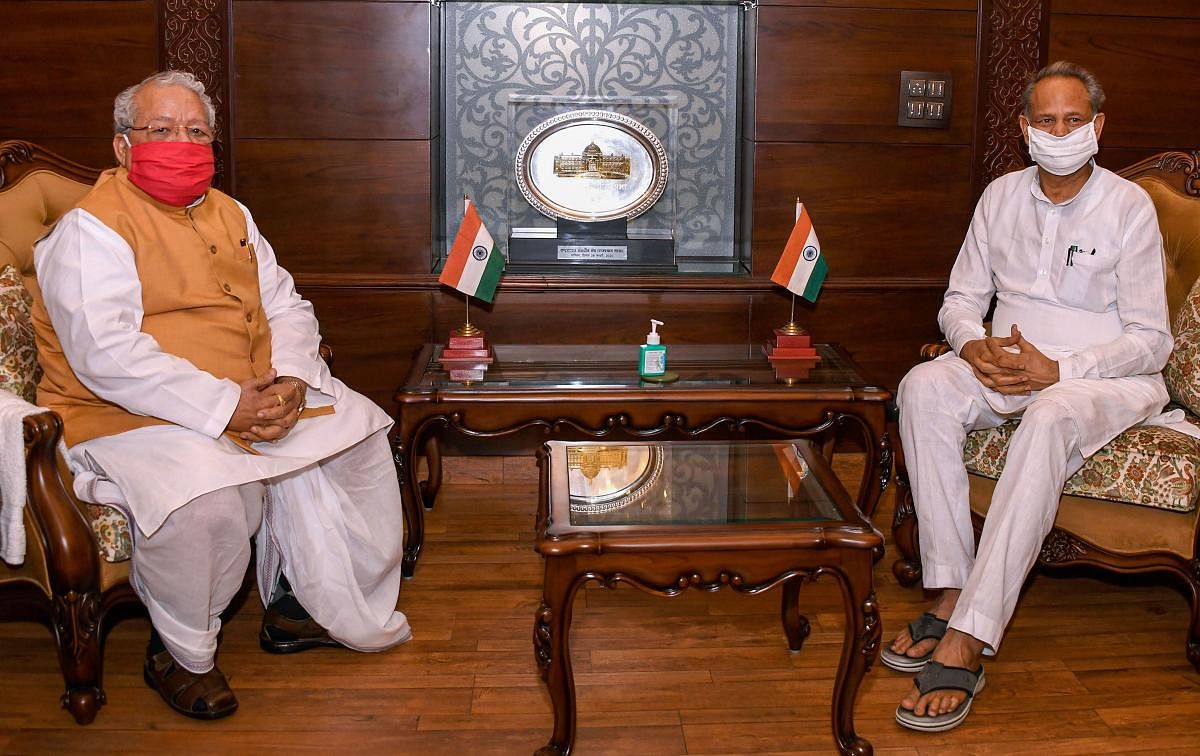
(674, 66)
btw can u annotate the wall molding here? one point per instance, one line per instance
(678, 284)
(196, 36)
(1013, 41)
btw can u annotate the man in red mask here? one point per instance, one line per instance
(194, 399)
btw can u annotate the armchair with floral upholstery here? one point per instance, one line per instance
(75, 570)
(1132, 508)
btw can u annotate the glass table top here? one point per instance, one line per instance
(684, 483)
(614, 366)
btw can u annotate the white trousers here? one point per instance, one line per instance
(335, 528)
(940, 402)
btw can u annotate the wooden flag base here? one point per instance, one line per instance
(791, 353)
(467, 345)
(467, 355)
(787, 344)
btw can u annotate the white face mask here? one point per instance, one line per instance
(1066, 154)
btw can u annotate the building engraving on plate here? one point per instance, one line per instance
(592, 252)
(591, 460)
(592, 163)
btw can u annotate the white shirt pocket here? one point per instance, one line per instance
(1088, 280)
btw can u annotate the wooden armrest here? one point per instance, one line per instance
(326, 352)
(65, 534)
(933, 351)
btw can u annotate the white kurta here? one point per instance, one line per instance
(93, 295)
(1083, 281)
(1100, 310)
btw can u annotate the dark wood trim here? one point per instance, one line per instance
(1013, 40)
(18, 158)
(196, 36)
(527, 283)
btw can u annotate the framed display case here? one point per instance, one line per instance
(596, 137)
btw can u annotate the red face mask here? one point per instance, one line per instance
(174, 173)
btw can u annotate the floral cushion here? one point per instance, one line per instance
(1182, 372)
(112, 533)
(20, 373)
(1147, 465)
(19, 369)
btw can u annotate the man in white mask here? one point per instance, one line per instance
(1072, 254)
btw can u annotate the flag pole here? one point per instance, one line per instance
(467, 329)
(792, 328)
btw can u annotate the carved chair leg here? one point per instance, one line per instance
(1193, 637)
(907, 568)
(80, 656)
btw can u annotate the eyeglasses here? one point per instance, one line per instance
(162, 132)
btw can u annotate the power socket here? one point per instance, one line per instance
(925, 98)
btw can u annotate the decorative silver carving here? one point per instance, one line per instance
(672, 67)
(589, 186)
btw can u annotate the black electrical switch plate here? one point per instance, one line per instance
(925, 98)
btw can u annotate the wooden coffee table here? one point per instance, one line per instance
(532, 393)
(667, 516)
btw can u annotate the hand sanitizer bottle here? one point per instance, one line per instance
(652, 358)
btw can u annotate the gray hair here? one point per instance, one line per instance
(123, 115)
(1071, 70)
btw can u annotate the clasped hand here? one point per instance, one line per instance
(267, 409)
(1010, 364)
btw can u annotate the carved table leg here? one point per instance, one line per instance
(795, 625)
(433, 484)
(859, 650)
(551, 645)
(414, 511)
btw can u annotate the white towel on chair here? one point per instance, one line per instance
(13, 410)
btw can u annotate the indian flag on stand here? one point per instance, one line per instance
(802, 268)
(475, 263)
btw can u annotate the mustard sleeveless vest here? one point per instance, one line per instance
(200, 298)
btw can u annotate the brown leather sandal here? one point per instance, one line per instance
(200, 696)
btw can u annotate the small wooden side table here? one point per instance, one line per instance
(670, 515)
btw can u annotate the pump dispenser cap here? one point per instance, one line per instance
(653, 337)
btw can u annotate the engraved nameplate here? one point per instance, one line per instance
(585, 252)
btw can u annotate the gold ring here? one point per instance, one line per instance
(279, 398)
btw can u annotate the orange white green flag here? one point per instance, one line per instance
(802, 267)
(475, 263)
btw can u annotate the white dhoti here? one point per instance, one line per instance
(327, 500)
(940, 402)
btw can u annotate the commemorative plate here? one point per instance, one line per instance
(591, 165)
(605, 478)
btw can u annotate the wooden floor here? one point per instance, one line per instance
(1088, 667)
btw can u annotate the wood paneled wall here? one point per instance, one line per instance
(330, 108)
(63, 62)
